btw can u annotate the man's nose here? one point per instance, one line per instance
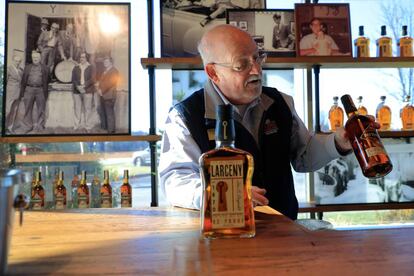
(256, 68)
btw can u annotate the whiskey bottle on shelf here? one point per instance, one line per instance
(405, 44)
(83, 192)
(96, 191)
(60, 193)
(366, 143)
(362, 110)
(384, 44)
(361, 44)
(106, 191)
(407, 114)
(383, 114)
(226, 208)
(74, 189)
(37, 198)
(336, 115)
(126, 191)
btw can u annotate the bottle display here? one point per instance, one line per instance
(96, 191)
(126, 191)
(383, 114)
(362, 44)
(83, 192)
(60, 192)
(405, 44)
(362, 110)
(37, 198)
(366, 143)
(336, 115)
(74, 190)
(226, 173)
(384, 44)
(407, 114)
(106, 191)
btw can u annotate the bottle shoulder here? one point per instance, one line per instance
(225, 152)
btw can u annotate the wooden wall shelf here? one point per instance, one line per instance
(74, 139)
(293, 62)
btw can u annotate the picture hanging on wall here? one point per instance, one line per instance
(68, 69)
(323, 30)
(183, 22)
(273, 30)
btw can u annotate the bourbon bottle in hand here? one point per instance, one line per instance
(226, 208)
(365, 141)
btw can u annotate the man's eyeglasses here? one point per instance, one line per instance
(244, 63)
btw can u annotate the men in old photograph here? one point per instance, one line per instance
(281, 34)
(107, 89)
(47, 44)
(14, 77)
(83, 83)
(67, 38)
(34, 90)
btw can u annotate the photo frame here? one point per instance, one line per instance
(184, 22)
(323, 30)
(67, 69)
(272, 29)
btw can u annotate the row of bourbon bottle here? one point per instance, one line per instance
(83, 197)
(384, 44)
(382, 114)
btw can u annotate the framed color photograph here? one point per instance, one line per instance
(68, 69)
(183, 22)
(323, 30)
(273, 30)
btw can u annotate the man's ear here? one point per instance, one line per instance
(211, 73)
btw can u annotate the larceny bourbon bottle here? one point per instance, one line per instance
(336, 115)
(106, 191)
(362, 110)
(83, 192)
(126, 191)
(226, 172)
(405, 44)
(37, 199)
(407, 114)
(361, 44)
(383, 114)
(384, 44)
(60, 193)
(365, 141)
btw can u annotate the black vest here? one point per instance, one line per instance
(271, 160)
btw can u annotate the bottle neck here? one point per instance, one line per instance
(225, 133)
(222, 144)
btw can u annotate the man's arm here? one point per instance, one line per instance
(310, 151)
(179, 173)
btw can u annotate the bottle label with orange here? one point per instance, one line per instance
(372, 144)
(59, 205)
(227, 193)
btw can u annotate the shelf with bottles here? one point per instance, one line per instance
(383, 115)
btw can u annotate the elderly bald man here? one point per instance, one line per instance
(267, 126)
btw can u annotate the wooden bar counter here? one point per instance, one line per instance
(162, 241)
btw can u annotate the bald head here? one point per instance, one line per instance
(222, 41)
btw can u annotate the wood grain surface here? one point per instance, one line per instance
(160, 241)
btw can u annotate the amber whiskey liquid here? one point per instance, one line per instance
(226, 208)
(405, 44)
(384, 44)
(362, 110)
(60, 193)
(336, 115)
(361, 44)
(366, 143)
(83, 192)
(126, 191)
(37, 198)
(383, 114)
(106, 191)
(407, 114)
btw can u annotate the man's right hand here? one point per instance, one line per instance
(258, 196)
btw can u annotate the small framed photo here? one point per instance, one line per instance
(68, 69)
(272, 29)
(183, 22)
(323, 30)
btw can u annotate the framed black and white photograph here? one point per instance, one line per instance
(272, 29)
(183, 22)
(323, 30)
(68, 69)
